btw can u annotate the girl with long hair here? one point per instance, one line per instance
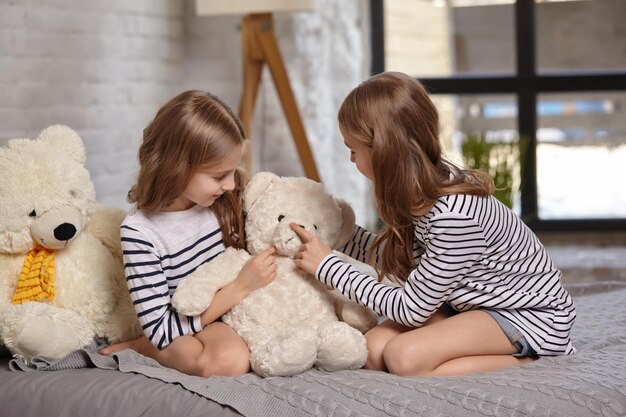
(187, 209)
(476, 290)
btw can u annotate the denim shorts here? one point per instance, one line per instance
(515, 336)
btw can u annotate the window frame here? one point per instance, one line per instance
(526, 84)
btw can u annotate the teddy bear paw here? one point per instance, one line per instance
(39, 330)
(358, 316)
(291, 352)
(341, 347)
(187, 300)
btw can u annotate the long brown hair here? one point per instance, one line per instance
(393, 115)
(194, 129)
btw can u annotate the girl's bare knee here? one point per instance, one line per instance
(225, 361)
(402, 359)
(233, 364)
(375, 348)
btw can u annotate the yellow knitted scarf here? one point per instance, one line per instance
(36, 281)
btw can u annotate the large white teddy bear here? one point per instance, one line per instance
(61, 275)
(292, 323)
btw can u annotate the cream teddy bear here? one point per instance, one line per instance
(292, 323)
(61, 274)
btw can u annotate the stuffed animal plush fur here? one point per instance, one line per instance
(291, 324)
(61, 274)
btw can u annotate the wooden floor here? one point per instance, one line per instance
(588, 257)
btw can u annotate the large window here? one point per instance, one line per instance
(548, 75)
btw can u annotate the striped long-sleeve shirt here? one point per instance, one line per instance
(160, 250)
(473, 253)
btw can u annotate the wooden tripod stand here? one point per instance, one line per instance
(260, 47)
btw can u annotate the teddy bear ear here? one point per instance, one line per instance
(65, 139)
(348, 219)
(256, 187)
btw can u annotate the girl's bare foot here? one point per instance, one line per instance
(141, 345)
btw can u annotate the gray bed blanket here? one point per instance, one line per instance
(591, 383)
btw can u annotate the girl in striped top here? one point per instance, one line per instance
(477, 290)
(188, 208)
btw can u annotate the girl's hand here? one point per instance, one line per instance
(312, 251)
(257, 272)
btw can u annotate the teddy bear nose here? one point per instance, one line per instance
(64, 231)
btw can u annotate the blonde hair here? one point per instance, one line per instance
(393, 115)
(194, 129)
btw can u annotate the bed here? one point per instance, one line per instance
(591, 383)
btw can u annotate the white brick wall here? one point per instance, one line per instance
(104, 67)
(100, 67)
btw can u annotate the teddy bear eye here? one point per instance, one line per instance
(315, 226)
(73, 193)
(281, 217)
(33, 213)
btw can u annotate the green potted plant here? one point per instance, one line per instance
(502, 159)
